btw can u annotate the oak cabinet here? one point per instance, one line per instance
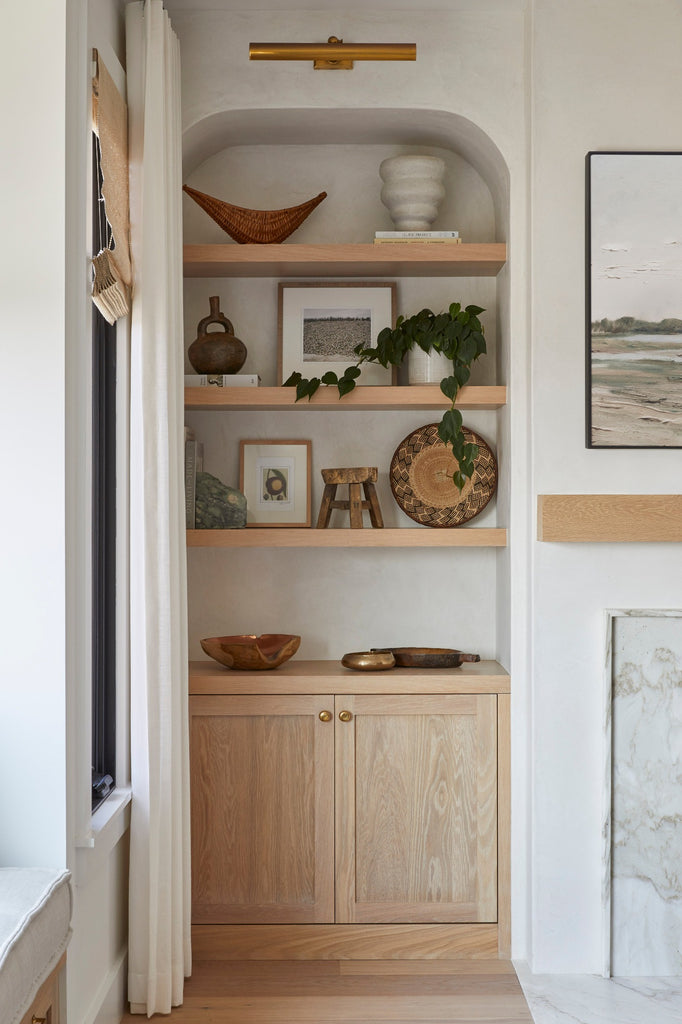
(262, 777)
(348, 809)
(416, 809)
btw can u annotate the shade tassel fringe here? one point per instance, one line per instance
(110, 293)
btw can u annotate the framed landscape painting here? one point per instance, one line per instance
(634, 300)
(320, 324)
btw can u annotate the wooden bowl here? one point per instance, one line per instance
(250, 651)
(430, 657)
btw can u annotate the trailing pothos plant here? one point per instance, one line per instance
(457, 334)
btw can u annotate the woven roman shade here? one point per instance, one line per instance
(111, 265)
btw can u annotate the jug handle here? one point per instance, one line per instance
(214, 317)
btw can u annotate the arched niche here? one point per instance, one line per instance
(400, 128)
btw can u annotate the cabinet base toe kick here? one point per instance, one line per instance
(345, 942)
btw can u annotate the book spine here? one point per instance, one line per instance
(190, 482)
(221, 380)
(416, 235)
(422, 241)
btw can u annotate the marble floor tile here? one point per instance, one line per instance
(588, 999)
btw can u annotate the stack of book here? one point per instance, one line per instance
(222, 380)
(439, 237)
(194, 463)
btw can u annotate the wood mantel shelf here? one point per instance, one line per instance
(610, 518)
(472, 259)
(287, 537)
(414, 396)
(207, 677)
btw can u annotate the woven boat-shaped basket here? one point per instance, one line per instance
(259, 226)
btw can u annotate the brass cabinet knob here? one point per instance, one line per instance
(345, 716)
(325, 716)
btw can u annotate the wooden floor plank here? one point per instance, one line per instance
(418, 967)
(333, 992)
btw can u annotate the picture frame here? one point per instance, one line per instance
(320, 323)
(275, 478)
(633, 302)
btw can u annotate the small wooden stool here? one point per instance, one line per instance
(365, 476)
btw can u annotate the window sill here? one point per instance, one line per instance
(108, 825)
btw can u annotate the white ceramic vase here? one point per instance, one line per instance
(427, 367)
(412, 190)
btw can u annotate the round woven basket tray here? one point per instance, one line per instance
(421, 479)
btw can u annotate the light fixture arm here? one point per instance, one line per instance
(334, 54)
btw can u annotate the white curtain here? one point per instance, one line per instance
(159, 946)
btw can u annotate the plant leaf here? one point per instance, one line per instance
(345, 386)
(330, 377)
(302, 389)
(293, 380)
(450, 386)
(450, 426)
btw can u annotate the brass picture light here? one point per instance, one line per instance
(333, 55)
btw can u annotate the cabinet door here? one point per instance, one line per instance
(262, 782)
(416, 825)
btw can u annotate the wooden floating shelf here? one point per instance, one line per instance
(207, 677)
(610, 518)
(471, 259)
(414, 396)
(285, 537)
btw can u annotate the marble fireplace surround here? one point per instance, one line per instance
(642, 793)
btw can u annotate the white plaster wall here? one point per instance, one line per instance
(343, 604)
(32, 350)
(606, 75)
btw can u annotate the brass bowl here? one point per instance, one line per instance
(252, 652)
(368, 661)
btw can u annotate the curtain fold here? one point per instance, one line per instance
(159, 903)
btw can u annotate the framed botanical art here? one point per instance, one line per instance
(275, 478)
(634, 300)
(320, 324)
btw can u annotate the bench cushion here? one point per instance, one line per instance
(35, 913)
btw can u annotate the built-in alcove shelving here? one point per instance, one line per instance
(349, 260)
(205, 677)
(415, 396)
(314, 727)
(287, 537)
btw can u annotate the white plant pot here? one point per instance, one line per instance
(427, 367)
(412, 190)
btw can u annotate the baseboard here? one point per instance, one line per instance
(345, 942)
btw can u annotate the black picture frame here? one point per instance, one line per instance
(632, 396)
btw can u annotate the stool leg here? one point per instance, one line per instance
(355, 506)
(326, 506)
(375, 516)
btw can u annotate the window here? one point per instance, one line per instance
(104, 528)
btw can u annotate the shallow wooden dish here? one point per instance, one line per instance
(430, 657)
(252, 652)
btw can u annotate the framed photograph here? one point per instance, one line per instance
(634, 300)
(320, 324)
(275, 478)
